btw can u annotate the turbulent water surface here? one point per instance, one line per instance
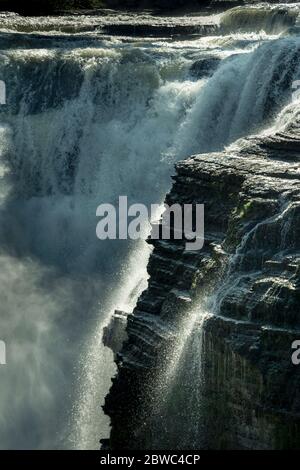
(91, 116)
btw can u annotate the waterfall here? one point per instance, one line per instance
(82, 127)
(241, 97)
(86, 121)
(270, 18)
(178, 408)
(88, 423)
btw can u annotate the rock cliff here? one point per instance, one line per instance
(45, 7)
(247, 277)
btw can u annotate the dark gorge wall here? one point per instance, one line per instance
(40, 7)
(32, 7)
(45, 7)
(241, 390)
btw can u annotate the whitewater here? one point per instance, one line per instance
(90, 117)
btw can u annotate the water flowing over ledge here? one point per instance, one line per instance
(91, 116)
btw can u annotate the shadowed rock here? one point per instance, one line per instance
(250, 267)
(114, 334)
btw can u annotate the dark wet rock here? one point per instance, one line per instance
(205, 67)
(114, 334)
(250, 265)
(158, 30)
(46, 7)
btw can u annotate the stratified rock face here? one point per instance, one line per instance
(249, 270)
(114, 334)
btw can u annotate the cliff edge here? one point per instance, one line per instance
(247, 278)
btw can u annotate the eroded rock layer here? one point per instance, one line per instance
(248, 277)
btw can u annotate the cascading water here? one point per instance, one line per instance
(84, 124)
(270, 18)
(58, 160)
(178, 407)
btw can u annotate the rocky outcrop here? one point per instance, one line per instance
(157, 28)
(40, 7)
(248, 277)
(205, 67)
(114, 334)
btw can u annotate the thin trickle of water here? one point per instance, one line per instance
(179, 405)
(249, 244)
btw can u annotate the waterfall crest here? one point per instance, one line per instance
(269, 18)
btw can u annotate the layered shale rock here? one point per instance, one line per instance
(248, 276)
(114, 334)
